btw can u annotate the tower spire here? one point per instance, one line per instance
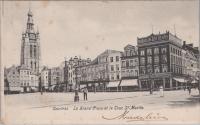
(30, 24)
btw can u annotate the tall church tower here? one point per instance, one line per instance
(30, 48)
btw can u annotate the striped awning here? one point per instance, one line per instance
(129, 82)
(82, 86)
(194, 81)
(180, 79)
(113, 84)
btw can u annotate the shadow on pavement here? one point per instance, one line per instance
(191, 101)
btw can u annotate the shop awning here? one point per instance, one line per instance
(14, 88)
(33, 88)
(180, 79)
(82, 86)
(52, 87)
(194, 81)
(113, 84)
(129, 82)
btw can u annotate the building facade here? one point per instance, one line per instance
(73, 71)
(30, 47)
(12, 80)
(129, 62)
(103, 73)
(129, 69)
(45, 78)
(160, 61)
(190, 61)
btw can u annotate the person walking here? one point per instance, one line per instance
(189, 90)
(41, 91)
(85, 91)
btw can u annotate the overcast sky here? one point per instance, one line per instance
(86, 29)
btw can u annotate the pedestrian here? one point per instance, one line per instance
(85, 91)
(189, 90)
(161, 91)
(41, 91)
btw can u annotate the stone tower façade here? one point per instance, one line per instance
(30, 47)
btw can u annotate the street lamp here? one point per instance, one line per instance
(151, 84)
(76, 97)
(66, 75)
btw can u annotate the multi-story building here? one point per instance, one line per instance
(29, 82)
(93, 75)
(45, 78)
(129, 68)
(19, 79)
(55, 78)
(12, 79)
(24, 78)
(160, 61)
(103, 72)
(190, 61)
(73, 71)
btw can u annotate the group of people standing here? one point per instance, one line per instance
(85, 92)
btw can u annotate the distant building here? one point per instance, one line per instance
(72, 71)
(129, 69)
(12, 80)
(30, 47)
(104, 72)
(20, 79)
(190, 61)
(25, 78)
(56, 78)
(160, 61)
(45, 78)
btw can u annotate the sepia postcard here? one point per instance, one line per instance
(99, 62)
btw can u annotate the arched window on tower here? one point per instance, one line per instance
(35, 65)
(35, 51)
(30, 50)
(31, 64)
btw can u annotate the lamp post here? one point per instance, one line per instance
(151, 84)
(66, 75)
(76, 97)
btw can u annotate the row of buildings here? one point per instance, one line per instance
(157, 60)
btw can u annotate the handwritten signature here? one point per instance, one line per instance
(129, 118)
